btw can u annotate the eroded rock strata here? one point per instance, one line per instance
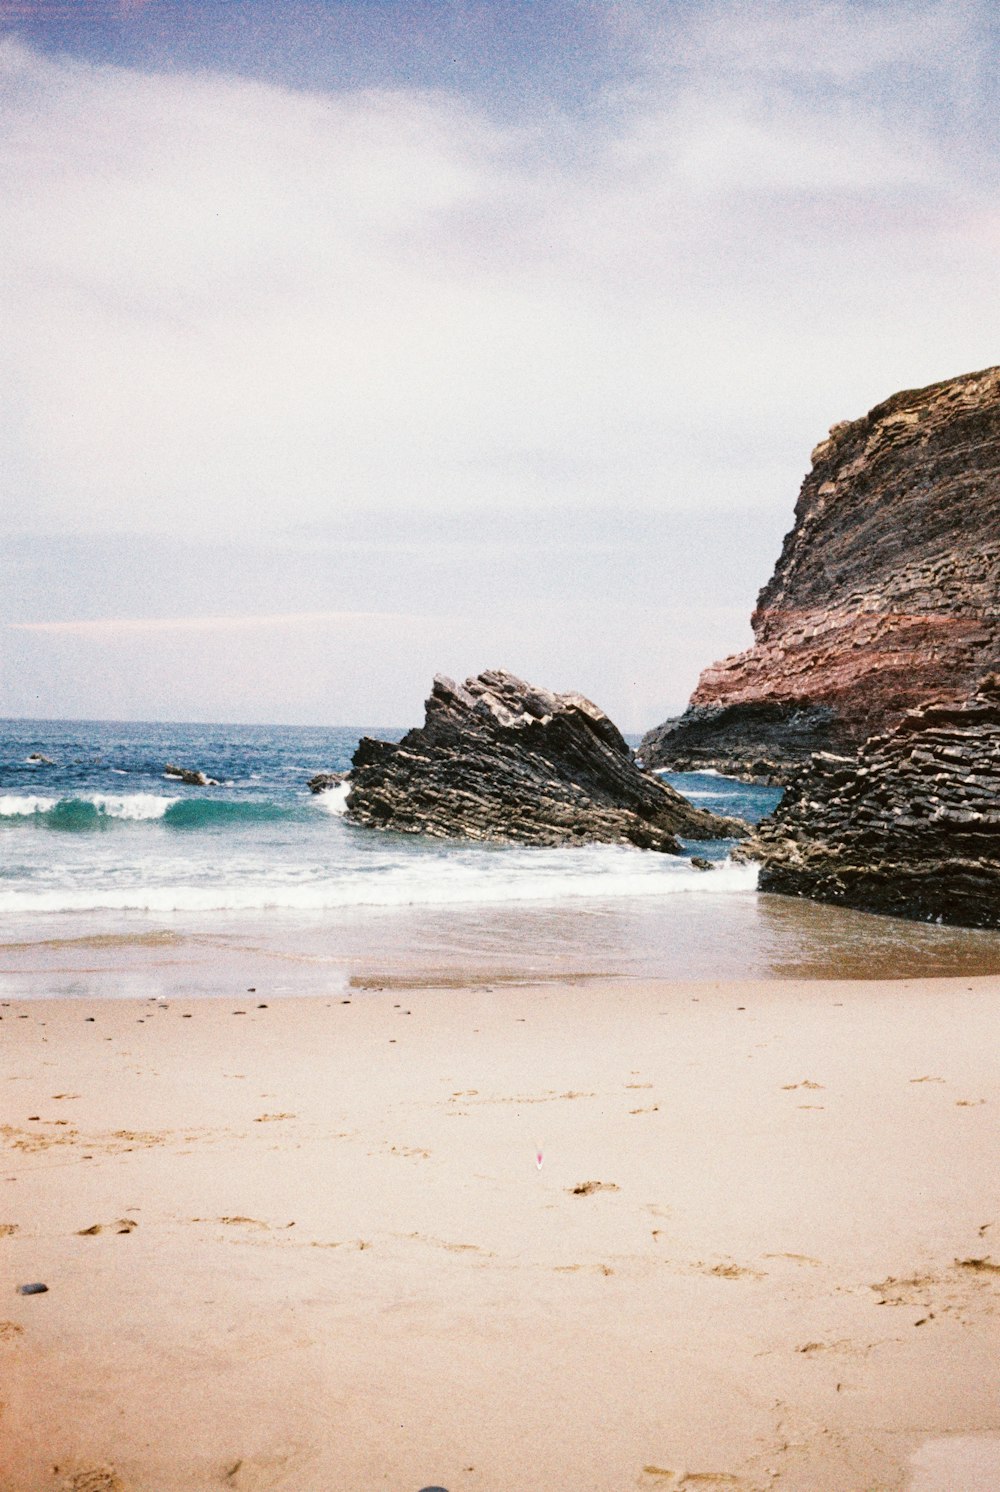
(498, 759)
(910, 825)
(886, 594)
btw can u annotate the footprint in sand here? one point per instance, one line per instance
(964, 1290)
(94, 1479)
(984, 1265)
(444, 1243)
(604, 1269)
(661, 1476)
(909, 1291)
(120, 1225)
(730, 1271)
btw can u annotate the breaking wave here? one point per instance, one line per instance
(431, 883)
(105, 811)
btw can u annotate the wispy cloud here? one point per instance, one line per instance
(124, 626)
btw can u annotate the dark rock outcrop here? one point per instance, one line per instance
(189, 775)
(910, 825)
(886, 594)
(323, 781)
(497, 759)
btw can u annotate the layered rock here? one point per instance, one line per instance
(910, 825)
(886, 594)
(498, 759)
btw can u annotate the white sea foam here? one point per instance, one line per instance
(13, 807)
(132, 805)
(400, 885)
(334, 799)
(126, 806)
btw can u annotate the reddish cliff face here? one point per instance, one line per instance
(886, 594)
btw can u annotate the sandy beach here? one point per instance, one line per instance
(582, 1237)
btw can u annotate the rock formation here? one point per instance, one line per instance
(324, 781)
(886, 594)
(189, 775)
(497, 759)
(910, 825)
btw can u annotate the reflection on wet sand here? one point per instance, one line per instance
(697, 936)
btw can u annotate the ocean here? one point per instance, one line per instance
(117, 880)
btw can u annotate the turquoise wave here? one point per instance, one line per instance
(102, 813)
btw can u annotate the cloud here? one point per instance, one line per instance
(838, 41)
(239, 316)
(232, 304)
(111, 627)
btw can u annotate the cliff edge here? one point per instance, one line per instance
(886, 593)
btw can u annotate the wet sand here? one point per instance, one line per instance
(310, 1246)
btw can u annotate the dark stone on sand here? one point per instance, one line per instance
(36, 1289)
(500, 760)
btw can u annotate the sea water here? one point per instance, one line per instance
(116, 878)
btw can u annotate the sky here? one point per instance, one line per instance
(348, 343)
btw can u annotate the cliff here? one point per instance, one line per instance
(498, 759)
(910, 825)
(886, 593)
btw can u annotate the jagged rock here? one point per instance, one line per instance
(886, 594)
(188, 775)
(909, 825)
(497, 759)
(323, 781)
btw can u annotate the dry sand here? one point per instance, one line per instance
(309, 1247)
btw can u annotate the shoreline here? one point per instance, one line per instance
(699, 934)
(757, 1252)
